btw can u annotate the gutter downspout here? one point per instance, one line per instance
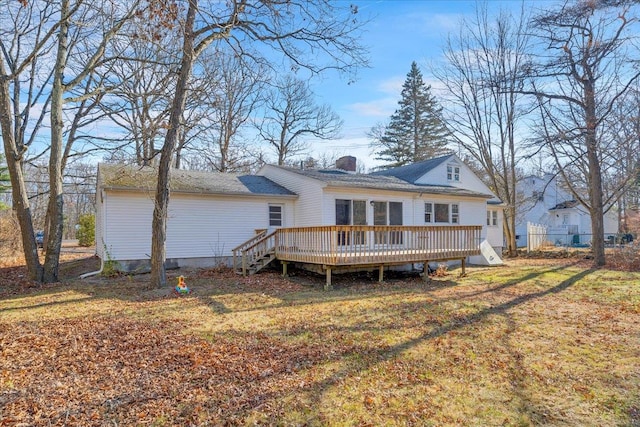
(94, 273)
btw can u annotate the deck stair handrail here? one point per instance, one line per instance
(237, 251)
(253, 250)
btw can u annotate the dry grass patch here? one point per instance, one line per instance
(517, 345)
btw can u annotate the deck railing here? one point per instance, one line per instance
(338, 245)
(250, 250)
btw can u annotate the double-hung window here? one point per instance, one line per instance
(443, 213)
(275, 215)
(492, 218)
(453, 173)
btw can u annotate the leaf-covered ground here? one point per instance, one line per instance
(532, 343)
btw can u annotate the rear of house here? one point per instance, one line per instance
(210, 214)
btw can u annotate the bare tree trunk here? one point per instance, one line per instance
(56, 200)
(159, 225)
(19, 191)
(595, 189)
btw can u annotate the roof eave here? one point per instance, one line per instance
(206, 193)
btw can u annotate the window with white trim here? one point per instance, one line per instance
(455, 214)
(387, 213)
(351, 212)
(428, 212)
(445, 213)
(492, 218)
(275, 215)
(453, 173)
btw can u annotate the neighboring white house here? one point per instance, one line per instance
(211, 213)
(544, 201)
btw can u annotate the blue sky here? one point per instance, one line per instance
(400, 31)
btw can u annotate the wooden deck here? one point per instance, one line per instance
(359, 246)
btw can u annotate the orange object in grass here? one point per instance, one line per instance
(182, 287)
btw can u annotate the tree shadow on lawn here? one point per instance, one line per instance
(456, 323)
(301, 356)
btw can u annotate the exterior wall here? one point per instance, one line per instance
(539, 195)
(198, 226)
(468, 179)
(331, 194)
(495, 234)
(472, 210)
(308, 210)
(534, 208)
(100, 232)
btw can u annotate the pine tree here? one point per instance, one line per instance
(416, 130)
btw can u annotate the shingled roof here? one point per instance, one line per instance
(128, 177)
(565, 205)
(340, 178)
(411, 173)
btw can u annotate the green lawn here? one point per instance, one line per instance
(531, 343)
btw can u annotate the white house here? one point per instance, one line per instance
(545, 201)
(211, 213)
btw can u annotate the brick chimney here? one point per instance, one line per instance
(346, 163)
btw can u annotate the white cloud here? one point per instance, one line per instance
(392, 85)
(379, 108)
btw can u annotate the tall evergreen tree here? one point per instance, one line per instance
(416, 130)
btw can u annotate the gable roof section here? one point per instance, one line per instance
(136, 178)
(342, 179)
(411, 173)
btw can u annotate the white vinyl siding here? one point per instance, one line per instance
(197, 226)
(309, 208)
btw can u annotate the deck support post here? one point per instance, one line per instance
(464, 263)
(284, 268)
(425, 272)
(244, 264)
(327, 285)
(381, 274)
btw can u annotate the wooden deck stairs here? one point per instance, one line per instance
(261, 262)
(337, 247)
(255, 254)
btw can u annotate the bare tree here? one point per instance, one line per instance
(314, 36)
(24, 47)
(291, 115)
(230, 100)
(72, 73)
(588, 61)
(140, 99)
(482, 76)
(620, 174)
(51, 53)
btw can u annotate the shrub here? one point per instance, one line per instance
(10, 239)
(86, 233)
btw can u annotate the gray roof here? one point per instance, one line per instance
(128, 177)
(411, 173)
(339, 178)
(565, 205)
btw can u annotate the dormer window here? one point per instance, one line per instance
(453, 173)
